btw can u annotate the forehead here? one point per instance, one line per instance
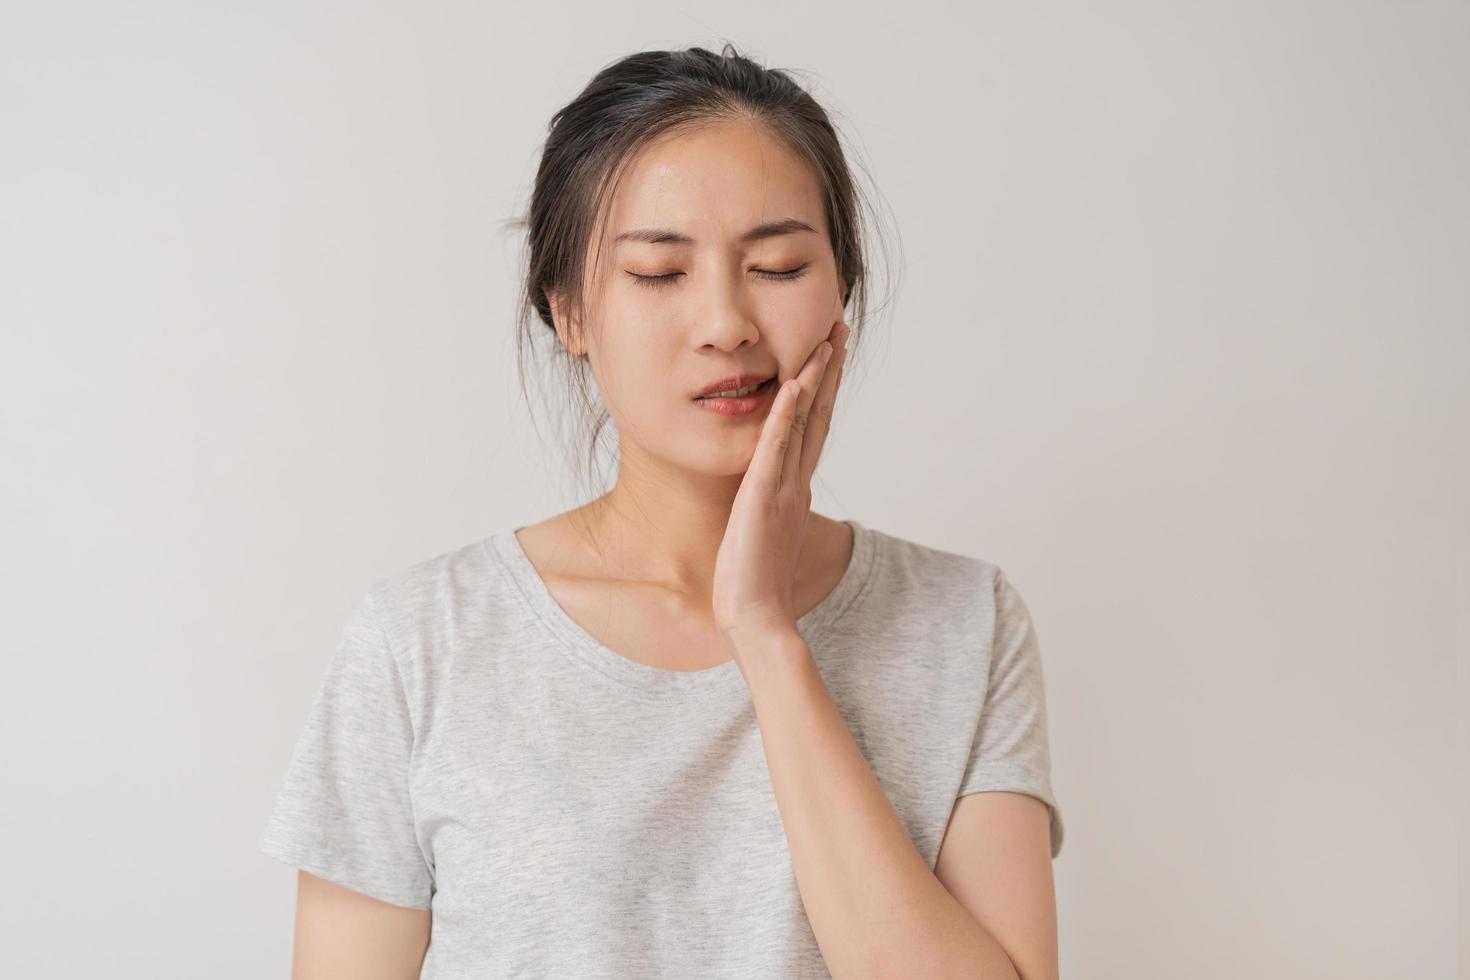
(713, 184)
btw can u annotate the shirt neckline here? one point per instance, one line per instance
(658, 682)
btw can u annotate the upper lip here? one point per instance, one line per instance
(732, 383)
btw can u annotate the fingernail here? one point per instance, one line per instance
(826, 350)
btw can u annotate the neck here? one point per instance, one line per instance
(658, 524)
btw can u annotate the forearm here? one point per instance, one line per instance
(876, 908)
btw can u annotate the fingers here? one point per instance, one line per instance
(819, 418)
(770, 450)
(813, 377)
(788, 448)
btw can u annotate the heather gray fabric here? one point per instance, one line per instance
(568, 812)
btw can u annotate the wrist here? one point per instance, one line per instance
(762, 638)
(758, 649)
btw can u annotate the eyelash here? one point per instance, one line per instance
(661, 282)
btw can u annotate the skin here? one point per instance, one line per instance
(341, 934)
(650, 348)
(711, 546)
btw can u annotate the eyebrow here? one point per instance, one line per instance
(667, 236)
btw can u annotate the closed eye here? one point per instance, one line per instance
(659, 282)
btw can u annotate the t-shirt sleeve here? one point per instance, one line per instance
(1010, 750)
(343, 810)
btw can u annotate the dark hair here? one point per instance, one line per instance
(626, 106)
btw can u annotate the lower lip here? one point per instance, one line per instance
(738, 406)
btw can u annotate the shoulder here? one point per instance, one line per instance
(441, 592)
(935, 579)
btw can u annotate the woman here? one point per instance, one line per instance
(690, 729)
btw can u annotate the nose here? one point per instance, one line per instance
(724, 320)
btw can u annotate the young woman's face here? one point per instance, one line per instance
(666, 318)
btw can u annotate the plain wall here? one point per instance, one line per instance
(1181, 341)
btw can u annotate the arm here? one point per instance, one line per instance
(876, 908)
(996, 859)
(343, 934)
(345, 812)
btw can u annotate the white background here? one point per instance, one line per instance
(1182, 342)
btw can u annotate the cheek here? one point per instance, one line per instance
(811, 303)
(636, 364)
(803, 323)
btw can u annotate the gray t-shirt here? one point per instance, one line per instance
(565, 811)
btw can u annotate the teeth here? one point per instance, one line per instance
(736, 394)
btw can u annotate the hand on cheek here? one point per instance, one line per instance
(755, 570)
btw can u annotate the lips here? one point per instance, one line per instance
(732, 383)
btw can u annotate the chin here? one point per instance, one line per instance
(731, 459)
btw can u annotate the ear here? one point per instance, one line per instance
(568, 329)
